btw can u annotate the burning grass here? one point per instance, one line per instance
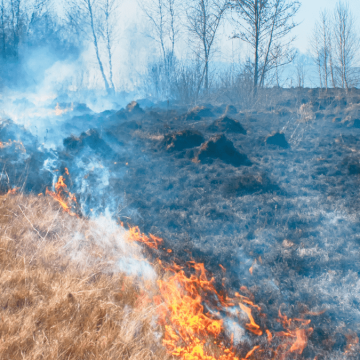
(60, 296)
(74, 288)
(189, 307)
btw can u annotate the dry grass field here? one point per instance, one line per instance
(60, 298)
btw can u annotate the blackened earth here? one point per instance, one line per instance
(275, 189)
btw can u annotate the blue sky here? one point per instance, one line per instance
(309, 13)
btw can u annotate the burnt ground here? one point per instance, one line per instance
(275, 189)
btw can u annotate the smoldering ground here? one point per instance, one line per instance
(270, 194)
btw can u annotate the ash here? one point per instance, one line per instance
(274, 189)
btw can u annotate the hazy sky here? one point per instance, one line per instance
(309, 13)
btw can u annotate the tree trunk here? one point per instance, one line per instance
(172, 25)
(256, 57)
(110, 65)
(107, 87)
(262, 79)
(331, 64)
(325, 54)
(108, 44)
(161, 32)
(207, 73)
(3, 29)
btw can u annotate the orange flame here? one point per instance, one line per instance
(293, 331)
(253, 327)
(61, 194)
(151, 241)
(189, 330)
(252, 351)
(13, 191)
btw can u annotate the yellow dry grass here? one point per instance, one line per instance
(61, 297)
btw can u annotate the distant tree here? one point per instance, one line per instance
(163, 16)
(322, 50)
(265, 26)
(300, 72)
(204, 17)
(16, 20)
(3, 29)
(93, 19)
(346, 45)
(164, 19)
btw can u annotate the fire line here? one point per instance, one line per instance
(191, 332)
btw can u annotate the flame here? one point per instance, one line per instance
(252, 351)
(13, 191)
(151, 241)
(269, 335)
(61, 194)
(189, 330)
(300, 334)
(253, 327)
(58, 111)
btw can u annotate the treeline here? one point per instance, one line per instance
(335, 48)
(264, 25)
(176, 26)
(26, 25)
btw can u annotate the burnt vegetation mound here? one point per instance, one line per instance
(131, 110)
(219, 147)
(277, 139)
(181, 140)
(227, 125)
(90, 139)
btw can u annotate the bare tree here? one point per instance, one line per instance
(300, 71)
(163, 16)
(3, 30)
(109, 8)
(346, 45)
(321, 49)
(172, 8)
(16, 22)
(204, 17)
(84, 16)
(265, 25)
(17, 17)
(154, 10)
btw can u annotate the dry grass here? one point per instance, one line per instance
(61, 297)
